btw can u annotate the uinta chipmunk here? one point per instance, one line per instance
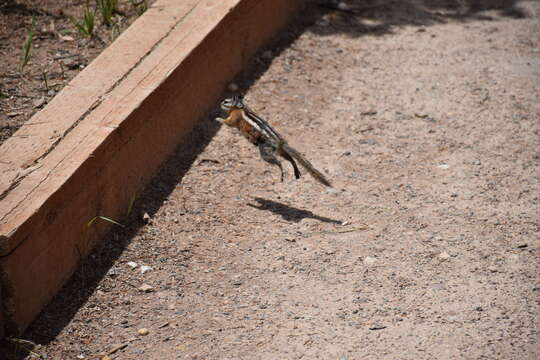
(266, 138)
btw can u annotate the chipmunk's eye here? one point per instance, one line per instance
(226, 104)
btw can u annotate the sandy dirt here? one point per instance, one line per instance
(426, 117)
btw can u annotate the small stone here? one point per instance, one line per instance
(146, 217)
(343, 6)
(143, 331)
(492, 269)
(443, 166)
(132, 264)
(39, 102)
(377, 327)
(332, 190)
(66, 38)
(113, 272)
(146, 288)
(345, 223)
(368, 260)
(323, 22)
(71, 63)
(145, 268)
(51, 92)
(443, 256)
(371, 141)
(80, 356)
(14, 113)
(233, 87)
(106, 357)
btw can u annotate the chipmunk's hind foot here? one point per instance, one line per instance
(290, 159)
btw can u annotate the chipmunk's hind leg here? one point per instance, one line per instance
(293, 163)
(267, 153)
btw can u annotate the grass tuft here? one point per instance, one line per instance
(108, 9)
(27, 45)
(86, 27)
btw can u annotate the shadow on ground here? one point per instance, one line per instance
(357, 18)
(360, 17)
(290, 213)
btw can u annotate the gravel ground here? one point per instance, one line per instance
(425, 115)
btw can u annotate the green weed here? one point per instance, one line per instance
(86, 27)
(27, 45)
(107, 8)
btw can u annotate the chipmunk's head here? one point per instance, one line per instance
(236, 101)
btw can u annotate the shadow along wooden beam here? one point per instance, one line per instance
(101, 139)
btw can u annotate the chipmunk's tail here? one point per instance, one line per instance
(306, 164)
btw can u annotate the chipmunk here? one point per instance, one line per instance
(266, 138)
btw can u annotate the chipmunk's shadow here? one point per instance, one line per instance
(289, 213)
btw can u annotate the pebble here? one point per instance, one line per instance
(132, 264)
(106, 357)
(146, 217)
(145, 268)
(443, 166)
(113, 272)
(146, 288)
(377, 327)
(444, 256)
(71, 64)
(66, 38)
(343, 6)
(143, 331)
(39, 102)
(368, 260)
(369, 141)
